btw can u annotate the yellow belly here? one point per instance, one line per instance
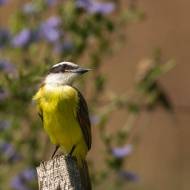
(59, 107)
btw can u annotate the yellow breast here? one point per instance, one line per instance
(59, 107)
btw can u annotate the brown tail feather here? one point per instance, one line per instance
(84, 175)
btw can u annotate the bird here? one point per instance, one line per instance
(64, 114)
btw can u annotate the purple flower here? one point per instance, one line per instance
(51, 2)
(4, 124)
(83, 3)
(102, 8)
(20, 182)
(25, 37)
(22, 39)
(29, 174)
(32, 8)
(128, 176)
(121, 152)
(49, 30)
(4, 37)
(6, 66)
(2, 2)
(9, 152)
(96, 7)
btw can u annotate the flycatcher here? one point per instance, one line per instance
(64, 113)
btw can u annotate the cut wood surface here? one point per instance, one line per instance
(60, 173)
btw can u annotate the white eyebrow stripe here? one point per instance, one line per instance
(65, 62)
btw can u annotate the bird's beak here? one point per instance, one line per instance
(80, 70)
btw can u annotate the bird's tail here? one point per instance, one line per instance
(84, 175)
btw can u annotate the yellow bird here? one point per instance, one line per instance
(64, 113)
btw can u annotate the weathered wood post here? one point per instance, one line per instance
(60, 173)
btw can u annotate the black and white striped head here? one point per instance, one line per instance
(64, 73)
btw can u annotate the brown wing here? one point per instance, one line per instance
(83, 119)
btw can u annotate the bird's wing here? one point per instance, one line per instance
(83, 119)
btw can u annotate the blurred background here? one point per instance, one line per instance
(138, 93)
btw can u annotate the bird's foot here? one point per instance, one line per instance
(56, 148)
(72, 150)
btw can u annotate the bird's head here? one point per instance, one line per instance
(64, 73)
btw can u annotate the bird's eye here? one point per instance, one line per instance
(62, 68)
(54, 70)
(68, 68)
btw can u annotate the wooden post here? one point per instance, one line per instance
(60, 173)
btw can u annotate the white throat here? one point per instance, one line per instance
(57, 79)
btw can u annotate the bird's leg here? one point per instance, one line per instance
(72, 150)
(56, 148)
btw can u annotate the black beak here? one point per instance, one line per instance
(80, 70)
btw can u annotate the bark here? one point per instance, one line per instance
(60, 173)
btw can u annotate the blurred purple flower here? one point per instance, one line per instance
(102, 8)
(22, 39)
(51, 2)
(96, 7)
(83, 3)
(29, 174)
(2, 2)
(20, 181)
(9, 152)
(4, 37)
(31, 8)
(17, 184)
(49, 30)
(128, 176)
(6, 66)
(121, 152)
(25, 37)
(4, 124)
